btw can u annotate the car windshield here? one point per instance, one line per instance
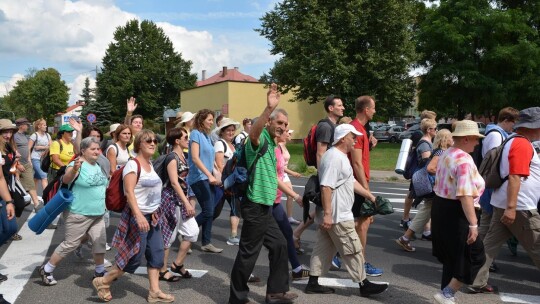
(383, 128)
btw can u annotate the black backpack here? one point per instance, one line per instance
(477, 152)
(412, 164)
(45, 162)
(160, 166)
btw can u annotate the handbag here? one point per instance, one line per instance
(381, 206)
(422, 182)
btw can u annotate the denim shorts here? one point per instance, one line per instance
(38, 173)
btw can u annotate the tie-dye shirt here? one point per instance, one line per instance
(457, 176)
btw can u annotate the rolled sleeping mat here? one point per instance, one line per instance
(61, 200)
(403, 155)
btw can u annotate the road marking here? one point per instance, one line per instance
(401, 189)
(519, 298)
(413, 211)
(298, 186)
(388, 193)
(196, 273)
(22, 258)
(336, 282)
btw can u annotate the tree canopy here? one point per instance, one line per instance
(479, 56)
(101, 110)
(346, 48)
(41, 94)
(142, 62)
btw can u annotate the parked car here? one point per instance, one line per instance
(390, 134)
(481, 127)
(407, 134)
(410, 124)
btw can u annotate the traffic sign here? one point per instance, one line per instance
(91, 117)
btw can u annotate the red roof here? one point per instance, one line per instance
(227, 75)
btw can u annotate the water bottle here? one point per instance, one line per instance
(403, 154)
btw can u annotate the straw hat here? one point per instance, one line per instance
(467, 128)
(6, 124)
(227, 122)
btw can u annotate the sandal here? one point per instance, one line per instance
(178, 269)
(172, 277)
(103, 291)
(16, 237)
(159, 297)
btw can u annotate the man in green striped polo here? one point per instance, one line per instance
(259, 227)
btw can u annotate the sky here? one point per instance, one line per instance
(72, 36)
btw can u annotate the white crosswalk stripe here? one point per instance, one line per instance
(519, 298)
(333, 282)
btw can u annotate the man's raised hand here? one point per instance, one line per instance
(272, 98)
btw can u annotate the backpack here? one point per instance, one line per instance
(490, 168)
(236, 175)
(412, 161)
(310, 144)
(477, 152)
(56, 183)
(160, 166)
(241, 135)
(115, 199)
(45, 163)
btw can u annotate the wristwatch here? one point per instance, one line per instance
(9, 202)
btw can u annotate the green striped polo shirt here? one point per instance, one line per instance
(262, 189)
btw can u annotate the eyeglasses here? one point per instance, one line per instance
(151, 140)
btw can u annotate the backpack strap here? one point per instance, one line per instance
(118, 150)
(261, 152)
(138, 168)
(224, 145)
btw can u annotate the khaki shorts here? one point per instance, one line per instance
(77, 227)
(27, 177)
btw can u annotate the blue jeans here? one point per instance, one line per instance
(7, 227)
(283, 222)
(205, 196)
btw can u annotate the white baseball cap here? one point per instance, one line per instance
(342, 131)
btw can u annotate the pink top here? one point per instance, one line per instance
(458, 176)
(280, 167)
(286, 154)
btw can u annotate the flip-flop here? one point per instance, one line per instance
(103, 291)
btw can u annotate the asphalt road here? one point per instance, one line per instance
(413, 277)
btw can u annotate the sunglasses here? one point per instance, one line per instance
(151, 140)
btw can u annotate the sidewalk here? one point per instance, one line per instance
(386, 176)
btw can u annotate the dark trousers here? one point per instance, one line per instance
(205, 196)
(259, 228)
(283, 222)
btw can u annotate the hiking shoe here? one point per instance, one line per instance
(46, 277)
(368, 288)
(318, 288)
(302, 274)
(293, 221)
(253, 279)
(233, 241)
(428, 237)
(281, 298)
(107, 263)
(493, 267)
(78, 252)
(336, 263)
(211, 248)
(443, 299)
(372, 271)
(486, 289)
(406, 245)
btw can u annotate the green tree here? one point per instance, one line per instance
(347, 48)
(142, 62)
(102, 109)
(479, 56)
(40, 94)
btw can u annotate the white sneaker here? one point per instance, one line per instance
(107, 247)
(107, 263)
(441, 299)
(293, 221)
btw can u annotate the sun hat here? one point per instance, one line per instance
(186, 116)
(225, 122)
(178, 117)
(112, 128)
(65, 128)
(529, 118)
(6, 124)
(342, 131)
(467, 128)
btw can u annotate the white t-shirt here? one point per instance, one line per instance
(220, 147)
(39, 141)
(147, 190)
(529, 192)
(492, 140)
(335, 171)
(122, 155)
(240, 137)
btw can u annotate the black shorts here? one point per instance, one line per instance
(358, 201)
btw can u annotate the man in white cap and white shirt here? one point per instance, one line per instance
(336, 219)
(515, 203)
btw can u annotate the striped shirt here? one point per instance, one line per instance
(262, 188)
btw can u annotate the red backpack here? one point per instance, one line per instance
(310, 145)
(115, 199)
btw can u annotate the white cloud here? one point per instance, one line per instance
(76, 87)
(7, 86)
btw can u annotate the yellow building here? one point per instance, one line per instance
(240, 96)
